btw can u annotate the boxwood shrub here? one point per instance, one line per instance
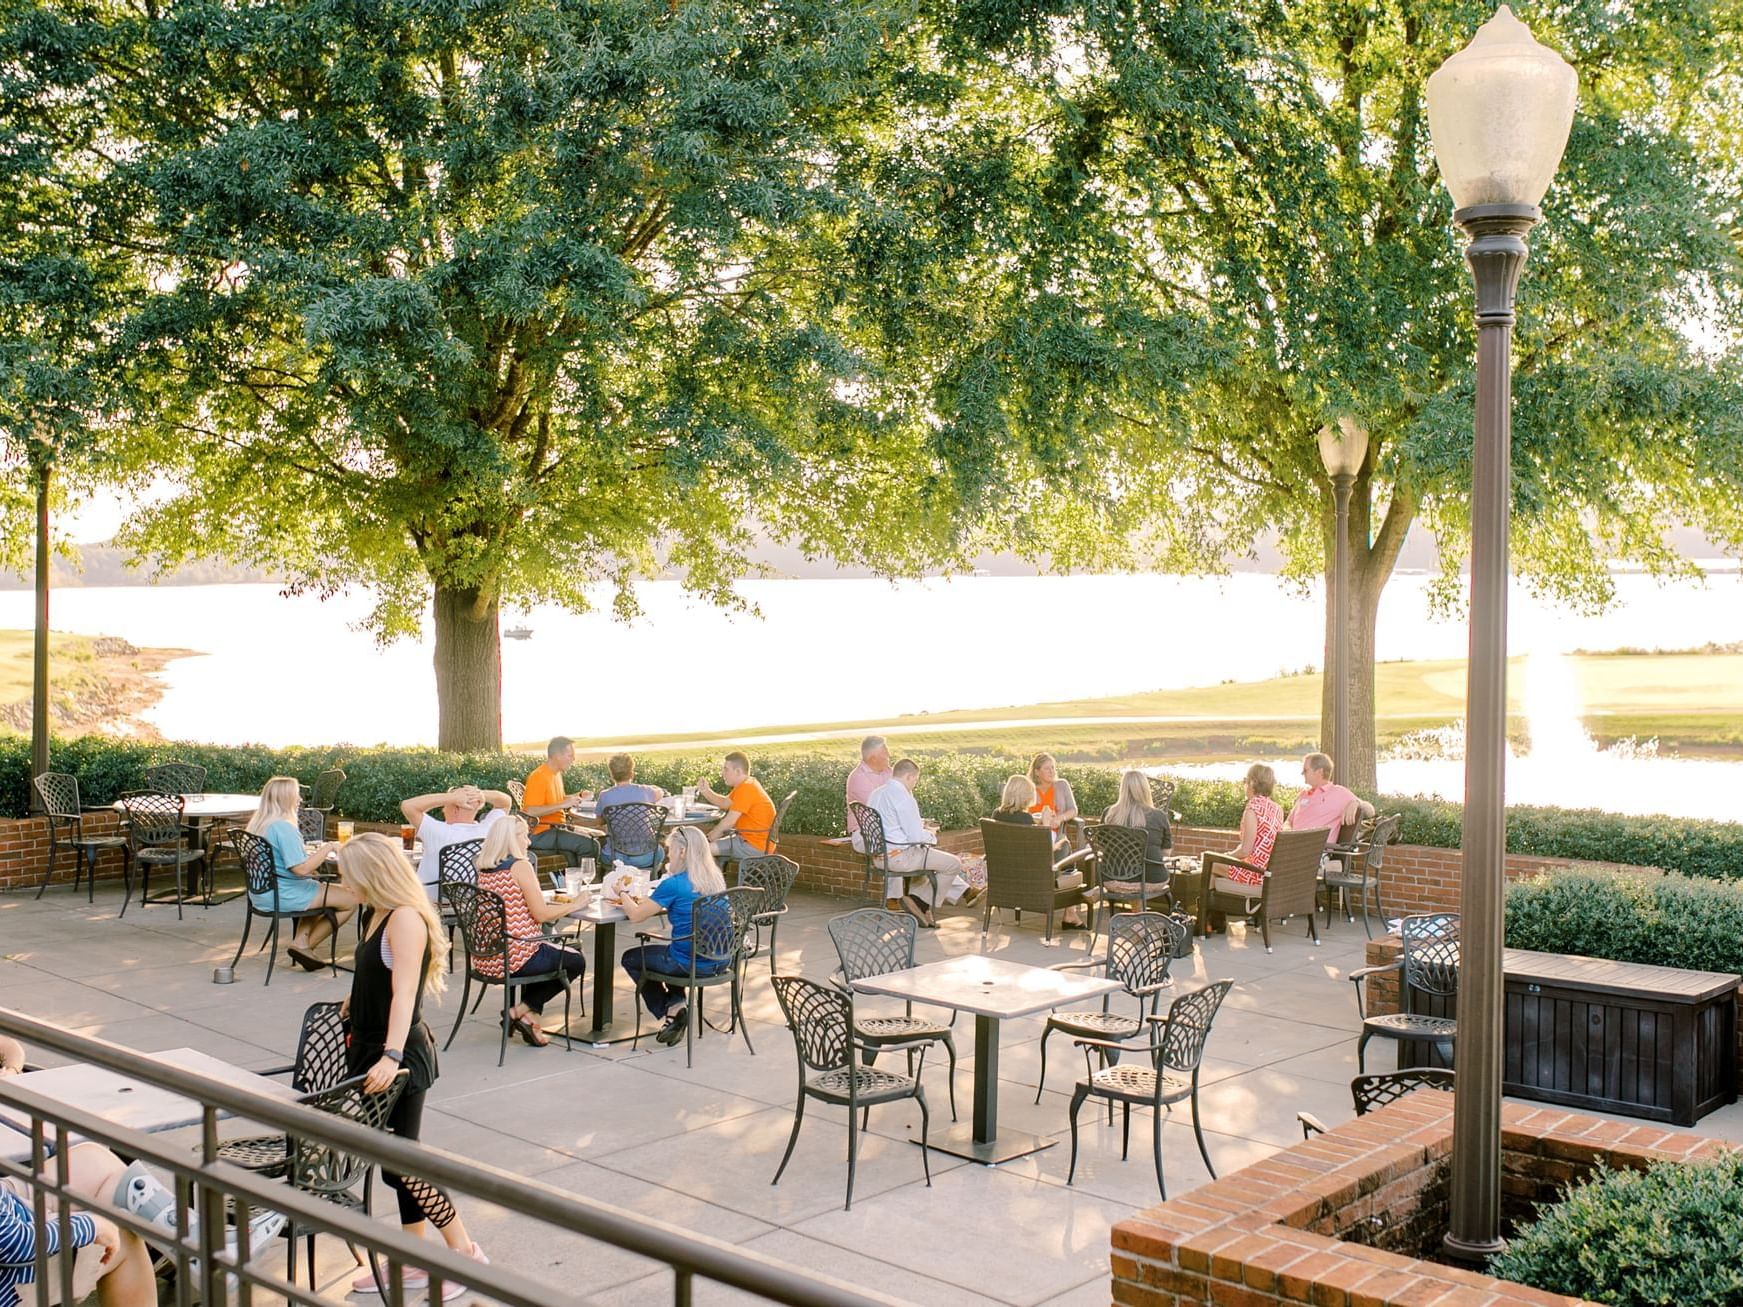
(1668, 921)
(955, 788)
(1669, 1236)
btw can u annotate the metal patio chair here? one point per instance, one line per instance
(324, 793)
(719, 924)
(1356, 872)
(157, 837)
(822, 1023)
(1428, 975)
(255, 854)
(311, 824)
(457, 863)
(875, 849)
(1176, 1054)
(176, 778)
(1120, 856)
(1141, 947)
(319, 1066)
(59, 793)
(774, 876)
(483, 923)
(331, 1174)
(1374, 1091)
(780, 820)
(875, 942)
(633, 832)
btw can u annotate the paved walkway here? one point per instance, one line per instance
(697, 1147)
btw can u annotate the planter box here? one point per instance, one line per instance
(1350, 1218)
(1658, 1043)
(1653, 1042)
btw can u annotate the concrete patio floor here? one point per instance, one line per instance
(697, 1147)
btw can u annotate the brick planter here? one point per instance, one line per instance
(1345, 1219)
(832, 867)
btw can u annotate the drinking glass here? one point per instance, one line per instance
(406, 836)
(572, 882)
(345, 829)
(589, 869)
(690, 793)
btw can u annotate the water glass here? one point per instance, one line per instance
(589, 869)
(690, 793)
(345, 830)
(572, 882)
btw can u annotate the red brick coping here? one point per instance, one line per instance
(1343, 1220)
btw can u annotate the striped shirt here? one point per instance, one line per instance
(18, 1241)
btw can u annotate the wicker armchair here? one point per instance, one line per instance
(1290, 885)
(1022, 875)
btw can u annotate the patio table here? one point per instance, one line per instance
(124, 1101)
(603, 917)
(992, 989)
(698, 814)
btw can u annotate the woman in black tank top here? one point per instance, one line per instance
(399, 961)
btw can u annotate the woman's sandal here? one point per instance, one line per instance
(528, 1030)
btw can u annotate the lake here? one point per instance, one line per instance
(277, 670)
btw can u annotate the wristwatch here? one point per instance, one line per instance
(394, 1055)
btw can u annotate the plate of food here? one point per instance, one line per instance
(623, 883)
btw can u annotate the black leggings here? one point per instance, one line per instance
(419, 1200)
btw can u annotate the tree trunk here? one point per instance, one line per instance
(468, 671)
(1373, 554)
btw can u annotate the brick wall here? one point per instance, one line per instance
(24, 851)
(1348, 1218)
(832, 867)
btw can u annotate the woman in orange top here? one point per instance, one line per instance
(1055, 805)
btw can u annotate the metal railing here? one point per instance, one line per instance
(220, 1192)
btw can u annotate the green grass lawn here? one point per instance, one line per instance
(73, 664)
(1692, 701)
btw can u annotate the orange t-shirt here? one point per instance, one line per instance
(544, 787)
(756, 812)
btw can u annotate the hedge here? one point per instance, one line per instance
(1669, 1236)
(1667, 921)
(955, 789)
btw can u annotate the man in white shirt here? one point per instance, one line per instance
(913, 847)
(460, 820)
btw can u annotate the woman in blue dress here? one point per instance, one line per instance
(297, 866)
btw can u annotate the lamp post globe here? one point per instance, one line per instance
(1343, 448)
(1499, 112)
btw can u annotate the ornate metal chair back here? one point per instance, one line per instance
(324, 794)
(255, 855)
(59, 793)
(873, 942)
(458, 863)
(482, 919)
(154, 820)
(720, 922)
(780, 820)
(1377, 1090)
(1119, 852)
(821, 1019)
(176, 778)
(517, 790)
(325, 1171)
(633, 829)
(774, 876)
(311, 824)
(320, 1060)
(871, 830)
(1385, 832)
(1189, 1018)
(1141, 947)
(1431, 954)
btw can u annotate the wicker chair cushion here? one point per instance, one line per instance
(1406, 1025)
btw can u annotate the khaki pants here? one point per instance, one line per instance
(952, 885)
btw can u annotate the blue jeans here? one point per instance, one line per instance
(659, 957)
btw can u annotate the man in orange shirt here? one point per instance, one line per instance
(750, 814)
(546, 800)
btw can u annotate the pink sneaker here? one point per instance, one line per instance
(414, 1280)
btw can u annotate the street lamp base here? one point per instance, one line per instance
(1474, 1254)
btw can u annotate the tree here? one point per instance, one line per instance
(488, 303)
(1268, 171)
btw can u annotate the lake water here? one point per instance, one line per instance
(278, 670)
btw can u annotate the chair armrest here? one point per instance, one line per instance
(1144, 991)
(1311, 1125)
(1072, 859)
(1095, 964)
(284, 1070)
(1360, 974)
(649, 935)
(1115, 1046)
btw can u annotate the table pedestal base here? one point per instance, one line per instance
(959, 1141)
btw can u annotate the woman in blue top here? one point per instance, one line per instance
(275, 821)
(692, 873)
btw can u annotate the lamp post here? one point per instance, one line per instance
(1499, 112)
(1342, 449)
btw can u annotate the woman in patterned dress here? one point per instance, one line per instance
(1261, 820)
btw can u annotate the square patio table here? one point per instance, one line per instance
(124, 1101)
(603, 917)
(992, 989)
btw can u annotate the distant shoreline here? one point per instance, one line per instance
(99, 684)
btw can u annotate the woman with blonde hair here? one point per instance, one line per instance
(691, 874)
(398, 963)
(326, 906)
(1019, 804)
(505, 870)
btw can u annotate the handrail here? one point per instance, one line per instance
(688, 1253)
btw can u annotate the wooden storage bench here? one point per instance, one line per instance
(1652, 1042)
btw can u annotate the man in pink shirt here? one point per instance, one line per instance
(1323, 805)
(872, 774)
